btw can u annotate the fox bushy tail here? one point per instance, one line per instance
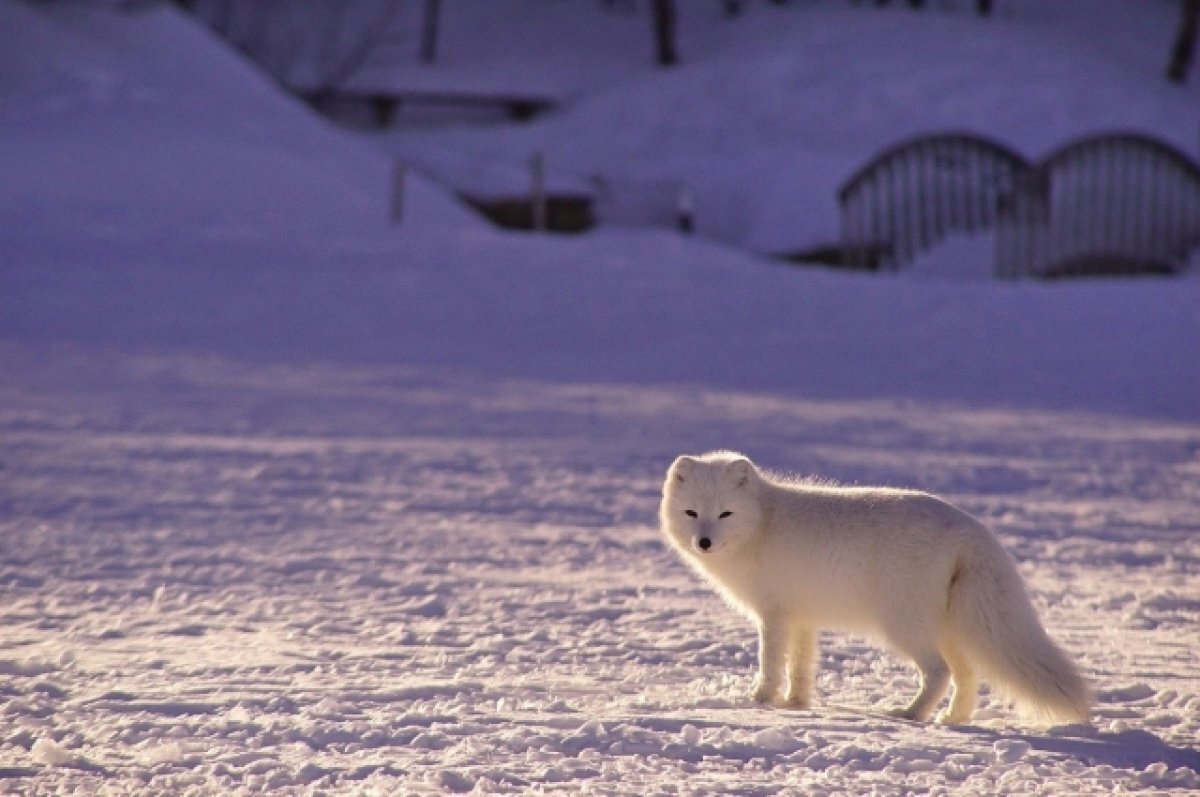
(998, 627)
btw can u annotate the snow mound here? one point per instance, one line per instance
(116, 123)
(47, 751)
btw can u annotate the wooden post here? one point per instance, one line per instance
(1184, 47)
(429, 31)
(685, 211)
(664, 32)
(537, 193)
(399, 175)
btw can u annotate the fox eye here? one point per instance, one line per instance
(690, 513)
(724, 515)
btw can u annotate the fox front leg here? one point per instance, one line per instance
(772, 660)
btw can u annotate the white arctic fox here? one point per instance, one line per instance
(904, 565)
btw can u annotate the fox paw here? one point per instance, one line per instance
(764, 692)
(946, 718)
(796, 701)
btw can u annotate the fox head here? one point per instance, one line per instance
(710, 505)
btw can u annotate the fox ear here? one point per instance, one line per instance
(741, 470)
(681, 469)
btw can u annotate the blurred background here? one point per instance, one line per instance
(748, 120)
(619, 189)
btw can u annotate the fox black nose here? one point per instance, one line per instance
(705, 543)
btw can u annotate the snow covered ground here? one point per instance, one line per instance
(371, 580)
(293, 500)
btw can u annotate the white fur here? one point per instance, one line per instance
(902, 565)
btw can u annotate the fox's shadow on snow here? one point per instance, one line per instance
(1134, 749)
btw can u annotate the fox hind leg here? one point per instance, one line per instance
(935, 680)
(966, 687)
(918, 640)
(802, 665)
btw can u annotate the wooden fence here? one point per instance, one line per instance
(1119, 203)
(908, 197)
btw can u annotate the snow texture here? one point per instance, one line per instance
(294, 500)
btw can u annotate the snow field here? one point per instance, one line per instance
(333, 580)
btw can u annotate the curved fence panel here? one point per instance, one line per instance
(1119, 203)
(908, 197)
